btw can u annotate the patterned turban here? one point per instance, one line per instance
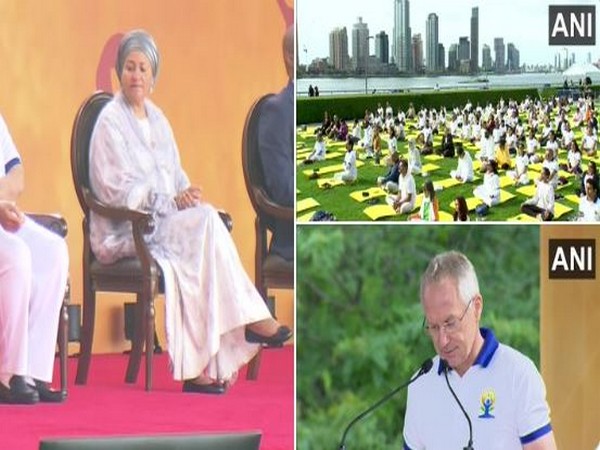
(138, 40)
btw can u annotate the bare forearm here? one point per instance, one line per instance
(12, 184)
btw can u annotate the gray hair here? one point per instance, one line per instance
(142, 41)
(457, 267)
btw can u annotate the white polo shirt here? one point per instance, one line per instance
(503, 394)
(9, 156)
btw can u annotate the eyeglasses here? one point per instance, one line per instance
(450, 326)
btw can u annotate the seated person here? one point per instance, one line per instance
(489, 191)
(34, 264)
(319, 151)
(590, 174)
(552, 144)
(464, 170)
(212, 306)
(350, 172)
(551, 163)
(541, 205)
(414, 157)
(429, 211)
(519, 175)
(404, 202)
(447, 148)
(342, 133)
(573, 159)
(356, 131)
(589, 204)
(461, 210)
(532, 147)
(589, 143)
(502, 155)
(486, 146)
(389, 182)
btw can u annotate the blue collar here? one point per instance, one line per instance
(490, 345)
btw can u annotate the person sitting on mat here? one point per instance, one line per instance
(404, 202)
(216, 319)
(429, 211)
(350, 172)
(489, 191)
(464, 169)
(541, 205)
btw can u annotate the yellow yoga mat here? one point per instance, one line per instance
(305, 217)
(445, 216)
(573, 198)
(505, 181)
(522, 218)
(327, 183)
(528, 191)
(433, 157)
(330, 169)
(446, 183)
(366, 194)
(560, 210)
(377, 212)
(307, 203)
(429, 167)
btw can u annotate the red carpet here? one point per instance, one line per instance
(108, 406)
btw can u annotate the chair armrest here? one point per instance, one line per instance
(53, 222)
(271, 208)
(226, 218)
(139, 219)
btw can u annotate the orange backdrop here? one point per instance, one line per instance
(217, 58)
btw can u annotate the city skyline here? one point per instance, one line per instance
(525, 26)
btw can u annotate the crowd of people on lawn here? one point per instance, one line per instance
(510, 136)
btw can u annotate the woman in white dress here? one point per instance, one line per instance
(215, 318)
(489, 191)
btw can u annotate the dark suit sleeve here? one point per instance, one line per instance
(276, 130)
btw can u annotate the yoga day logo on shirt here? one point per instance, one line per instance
(488, 400)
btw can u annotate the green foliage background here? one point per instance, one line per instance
(359, 319)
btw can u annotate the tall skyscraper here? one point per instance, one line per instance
(453, 58)
(431, 42)
(338, 49)
(486, 58)
(417, 53)
(500, 58)
(360, 45)
(402, 35)
(474, 40)
(464, 49)
(441, 57)
(382, 46)
(512, 58)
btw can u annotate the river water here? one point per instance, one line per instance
(340, 86)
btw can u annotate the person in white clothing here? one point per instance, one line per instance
(519, 175)
(215, 317)
(489, 191)
(589, 204)
(589, 143)
(464, 170)
(414, 157)
(541, 205)
(319, 152)
(350, 172)
(404, 202)
(551, 163)
(34, 264)
(500, 389)
(532, 147)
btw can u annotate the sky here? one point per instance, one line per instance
(522, 22)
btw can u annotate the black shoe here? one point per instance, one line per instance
(18, 392)
(277, 339)
(47, 394)
(216, 388)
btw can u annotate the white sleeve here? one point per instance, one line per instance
(8, 150)
(532, 411)
(410, 434)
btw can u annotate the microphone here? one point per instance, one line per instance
(445, 368)
(425, 367)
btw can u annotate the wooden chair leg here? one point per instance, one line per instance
(63, 342)
(137, 343)
(150, 334)
(254, 366)
(87, 334)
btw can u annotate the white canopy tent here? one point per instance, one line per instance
(582, 70)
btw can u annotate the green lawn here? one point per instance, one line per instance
(337, 199)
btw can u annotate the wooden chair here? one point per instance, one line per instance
(58, 225)
(271, 271)
(139, 274)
